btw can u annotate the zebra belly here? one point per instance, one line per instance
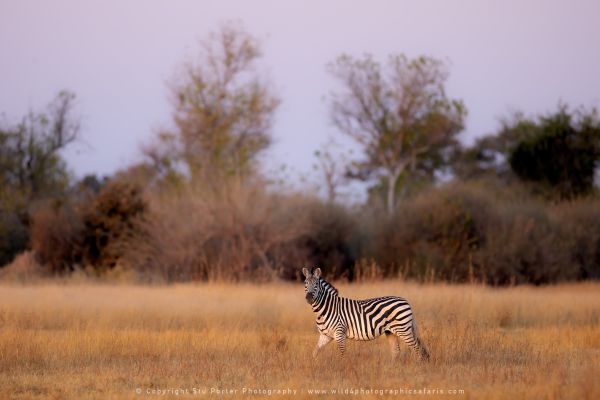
(330, 332)
(364, 338)
(326, 331)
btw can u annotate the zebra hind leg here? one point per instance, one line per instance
(394, 344)
(411, 338)
(421, 348)
(423, 352)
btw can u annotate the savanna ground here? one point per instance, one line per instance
(112, 341)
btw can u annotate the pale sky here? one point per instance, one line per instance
(117, 56)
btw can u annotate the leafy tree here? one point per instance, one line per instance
(30, 162)
(400, 114)
(223, 110)
(558, 153)
(32, 169)
(486, 158)
(91, 183)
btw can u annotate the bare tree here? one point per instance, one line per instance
(223, 108)
(401, 116)
(331, 165)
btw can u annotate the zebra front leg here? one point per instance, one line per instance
(340, 339)
(323, 340)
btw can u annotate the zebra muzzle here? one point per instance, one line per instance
(309, 298)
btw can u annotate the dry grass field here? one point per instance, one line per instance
(115, 341)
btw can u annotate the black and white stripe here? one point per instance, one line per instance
(339, 318)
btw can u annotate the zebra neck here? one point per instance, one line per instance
(328, 287)
(326, 302)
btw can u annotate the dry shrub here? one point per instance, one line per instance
(111, 218)
(466, 232)
(523, 247)
(242, 231)
(331, 241)
(13, 234)
(435, 233)
(578, 225)
(191, 232)
(56, 235)
(540, 243)
(366, 270)
(239, 232)
(25, 268)
(87, 232)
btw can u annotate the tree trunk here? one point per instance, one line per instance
(391, 190)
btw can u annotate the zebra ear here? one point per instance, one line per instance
(317, 272)
(306, 272)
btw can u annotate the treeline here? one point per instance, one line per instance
(517, 206)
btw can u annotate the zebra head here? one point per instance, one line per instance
(312, 285)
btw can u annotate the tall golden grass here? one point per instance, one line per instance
(112, 341)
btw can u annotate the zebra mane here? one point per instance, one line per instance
(328, 286)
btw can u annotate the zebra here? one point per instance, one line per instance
(339, 318)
